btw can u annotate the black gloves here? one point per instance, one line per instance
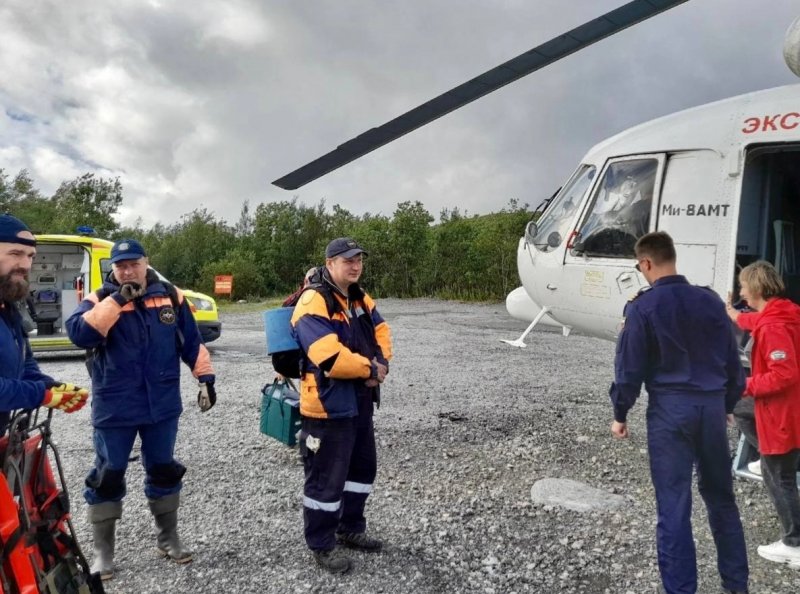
(131, 291)
(207, 396)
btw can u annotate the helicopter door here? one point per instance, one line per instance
(769, 213)
(599, 276)
(695, 209)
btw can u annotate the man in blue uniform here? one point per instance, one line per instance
(678, 341)
(22, 384)
(139, 328)
(347, 347)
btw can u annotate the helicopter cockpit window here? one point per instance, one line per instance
(620, 213)
(551, 230)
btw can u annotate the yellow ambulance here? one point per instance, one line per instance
(68, 267)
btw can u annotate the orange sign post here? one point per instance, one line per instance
(223, 284)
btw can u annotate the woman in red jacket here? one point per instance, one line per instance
(775, 385)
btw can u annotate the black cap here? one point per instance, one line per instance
(345, 247)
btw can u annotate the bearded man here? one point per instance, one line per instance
(22, 383)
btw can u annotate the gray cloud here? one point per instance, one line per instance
(204, 103)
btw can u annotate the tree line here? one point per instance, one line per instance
(268, 249)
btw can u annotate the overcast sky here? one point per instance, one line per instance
(205, 102)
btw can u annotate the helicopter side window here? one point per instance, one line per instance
(620, 213)
(551, 229)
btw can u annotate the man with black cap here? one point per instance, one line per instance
(138, 328)
(22, 384)
(347, 346)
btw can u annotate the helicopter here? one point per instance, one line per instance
(719, 178)
(723, 179)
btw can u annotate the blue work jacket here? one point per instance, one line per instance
(677, 340)
(22, 384)
(137, 348)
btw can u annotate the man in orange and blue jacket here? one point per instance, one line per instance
(347, 347)
(139, 328)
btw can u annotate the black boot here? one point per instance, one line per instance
(165, 512)
(103, 517)
(360, 541)
(333, 561)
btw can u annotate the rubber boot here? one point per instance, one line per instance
(165, 512)
(103, 517)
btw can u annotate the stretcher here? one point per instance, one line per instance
(40, 554)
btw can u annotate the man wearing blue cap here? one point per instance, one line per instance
(347, 347)
(22, 384)
(138, 327)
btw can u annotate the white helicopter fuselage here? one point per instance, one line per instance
(722, 179)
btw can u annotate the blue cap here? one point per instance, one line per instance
(345, 247)
(127, 249)
(10, 227)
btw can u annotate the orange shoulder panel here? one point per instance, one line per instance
(310, 303)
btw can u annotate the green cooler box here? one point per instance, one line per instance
(280, 411)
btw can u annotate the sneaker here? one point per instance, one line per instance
(360, 541)
(780, 553)
(333, 561)
(755, 467)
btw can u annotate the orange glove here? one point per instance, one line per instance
(66, 397)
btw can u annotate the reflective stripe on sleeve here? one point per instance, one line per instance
(357, 487)
(314, 504)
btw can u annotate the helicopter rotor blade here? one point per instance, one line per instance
(559, 47)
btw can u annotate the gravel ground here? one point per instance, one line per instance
(467, 425)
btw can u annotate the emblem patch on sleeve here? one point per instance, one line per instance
(777, 355)
(307, 297)
(167, 315)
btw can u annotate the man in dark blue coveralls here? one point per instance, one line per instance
(678, 341)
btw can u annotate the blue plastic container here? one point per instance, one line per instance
(279, 330)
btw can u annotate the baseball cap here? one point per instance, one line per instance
(11, 227)
(127, 249)
(345, 247)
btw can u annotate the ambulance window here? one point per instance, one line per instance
(620, 212)
(105, 268)
(552, 228)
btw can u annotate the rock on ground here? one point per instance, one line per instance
(574, 495)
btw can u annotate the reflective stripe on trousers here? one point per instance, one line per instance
(338, 476)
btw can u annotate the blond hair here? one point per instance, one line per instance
(762, 279)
